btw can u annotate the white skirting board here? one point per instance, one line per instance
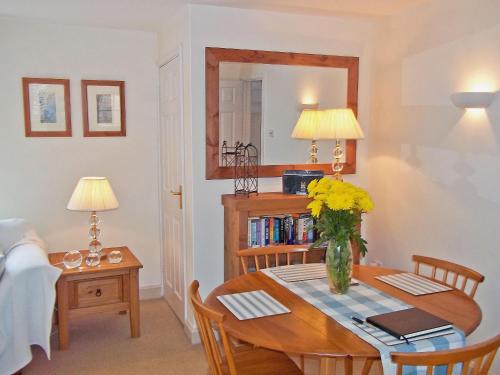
(150, 292)
(191, 331)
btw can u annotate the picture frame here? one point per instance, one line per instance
(47, 107)
(103, 108)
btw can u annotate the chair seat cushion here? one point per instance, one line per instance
(264, 362)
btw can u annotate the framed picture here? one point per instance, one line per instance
(47, 107)
(103, 107)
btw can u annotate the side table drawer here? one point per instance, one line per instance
(96, 292)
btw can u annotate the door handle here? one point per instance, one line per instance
(179, 194)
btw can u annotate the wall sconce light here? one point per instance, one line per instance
(472, 99)
(305, 106)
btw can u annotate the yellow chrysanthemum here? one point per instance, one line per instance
(338, 195)
(312, 185)
(324, 183)
(315, 207)
(340, 202)
(365, 204)
(321, 197)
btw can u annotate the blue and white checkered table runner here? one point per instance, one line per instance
(362, 301)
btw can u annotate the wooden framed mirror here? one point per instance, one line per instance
(283, 80)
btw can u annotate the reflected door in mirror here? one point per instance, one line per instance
(240, 113)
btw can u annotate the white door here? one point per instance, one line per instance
(231, 112)
(172, 151)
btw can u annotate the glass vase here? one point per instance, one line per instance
(339, 266)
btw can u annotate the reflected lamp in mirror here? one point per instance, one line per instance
(307, 128)
(93, 194)
(339, 124)
(472, 99)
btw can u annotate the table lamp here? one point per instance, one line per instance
(306, 128)
(338, 124)
(93, 194)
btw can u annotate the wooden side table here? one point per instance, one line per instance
(105, 288)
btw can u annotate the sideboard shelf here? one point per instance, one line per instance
(237, 210)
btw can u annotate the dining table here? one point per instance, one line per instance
(308, 331)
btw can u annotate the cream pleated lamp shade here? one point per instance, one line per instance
(93, 194)
(339, 123)
(307, 125)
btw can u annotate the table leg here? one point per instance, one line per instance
(327, 366)
(62, 313)
(135, 323)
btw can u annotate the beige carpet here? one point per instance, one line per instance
(102, 345)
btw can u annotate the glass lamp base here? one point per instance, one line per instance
(95, 246)
(93, 259)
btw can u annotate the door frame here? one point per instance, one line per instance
(176, 53)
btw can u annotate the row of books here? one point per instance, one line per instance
(280, 230)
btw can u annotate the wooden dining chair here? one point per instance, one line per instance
(456, 271)
(265, 257)
(476, 359)
(228, 360)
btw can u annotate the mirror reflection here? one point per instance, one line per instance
(261, 104)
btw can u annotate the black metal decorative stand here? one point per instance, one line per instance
(229, 154)
(245, 160)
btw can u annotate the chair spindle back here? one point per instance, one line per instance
(476, 359)
(450, 269)
(206, 319)
(270, 255)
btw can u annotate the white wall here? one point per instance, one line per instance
(249, 29)
(38, 175)
(434, 170)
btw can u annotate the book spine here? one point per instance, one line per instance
(305, 228)
(277, 225)
(271, 230)
(289, 230)
(310, 230)
(267, 232)
(300, 230)
(262, 232)
(254, 232)
(249, 233)
(282, 230)
(258, 228)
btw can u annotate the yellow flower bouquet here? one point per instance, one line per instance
(337, 207)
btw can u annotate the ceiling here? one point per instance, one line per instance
(148, 14)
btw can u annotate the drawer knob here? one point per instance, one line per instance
(98, 293)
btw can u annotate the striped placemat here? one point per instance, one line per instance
(390, 340)
(300, 272)
(413, 284)
(250, 305)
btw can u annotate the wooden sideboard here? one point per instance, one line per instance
(237, 210)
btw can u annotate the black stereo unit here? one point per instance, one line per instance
(296, 181)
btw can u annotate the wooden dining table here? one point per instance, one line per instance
(308, 331)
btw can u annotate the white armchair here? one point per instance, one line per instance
(27, 295)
